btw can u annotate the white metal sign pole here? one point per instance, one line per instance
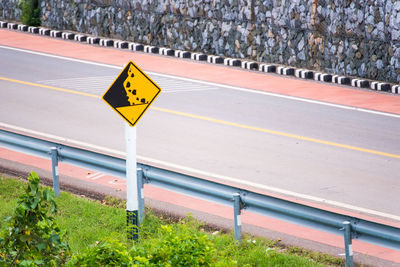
(132, 206)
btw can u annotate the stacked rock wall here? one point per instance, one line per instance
(10, 9)
(351, 37)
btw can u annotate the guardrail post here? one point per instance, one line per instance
(348, 244)
(140, 194)
(54, 167)
(236, 216)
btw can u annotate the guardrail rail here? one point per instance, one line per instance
(339, 224)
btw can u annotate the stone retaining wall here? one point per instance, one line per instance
(10, 10)
(351, 37)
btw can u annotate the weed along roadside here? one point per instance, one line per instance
(76, 231)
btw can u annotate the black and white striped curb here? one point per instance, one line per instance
(150, 49)
(360, 83)
(33, 29)
(68, 36)
(182, 54)
(264, 67)
(232, 62)
(55, 33)
(249, 65)
(12, 26)
(43, 31)
(215, 59)
(285, 71)
(304, 74)
(22, 28)
(80, 38)
(106, 42)
(135, 47)
(166, 51)
(93, 40)
(198, 56)
(267, 68)
(121, 44)
(340, 79)
(323, 77)
(396, 89)
(380, 86)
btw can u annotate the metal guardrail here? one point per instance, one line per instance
(339, 224)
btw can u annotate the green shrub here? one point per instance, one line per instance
(32, 238)
(179, 245)
(30, 12)
(106, 253)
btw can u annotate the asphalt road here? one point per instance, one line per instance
(248, 135)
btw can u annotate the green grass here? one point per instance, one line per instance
(10, 190)
(87, 222)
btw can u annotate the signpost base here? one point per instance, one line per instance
(132, 224)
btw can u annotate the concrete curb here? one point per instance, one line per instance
(323, 77)
(287, 71)
(212, 59)
(232, 62)
(151, 49)
(304, 74)
(68, 36)
(396, 89)
(215, 59)
(341, 79)
(121, 44)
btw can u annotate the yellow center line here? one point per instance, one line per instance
(233, 124)
(299, 137)
(49, 87)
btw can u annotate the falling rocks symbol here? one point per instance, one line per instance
(131, 93)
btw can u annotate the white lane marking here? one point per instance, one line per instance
(254, 91)
(97, 84)
(193, 171)
(95, 176)
(94, 85)
(80, 79)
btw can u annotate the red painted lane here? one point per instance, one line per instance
(205, 206)
(64, 169)
(207, 72)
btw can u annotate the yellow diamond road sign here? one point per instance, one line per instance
(131, 93)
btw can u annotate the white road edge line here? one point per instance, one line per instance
(204, 173)
(254, 91)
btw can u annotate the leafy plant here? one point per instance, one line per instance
(110, 252)
(32, 237)
(30, 12)
(180, 245)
